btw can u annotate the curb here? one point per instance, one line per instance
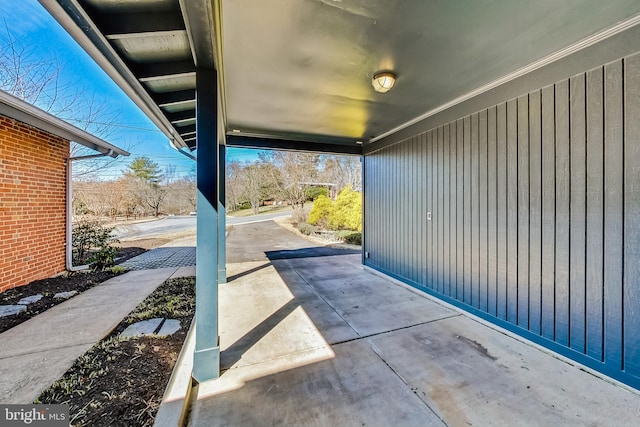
(176, 400)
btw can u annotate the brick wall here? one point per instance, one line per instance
(32, 203)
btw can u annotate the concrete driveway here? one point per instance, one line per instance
(261, 241)
(319, 341)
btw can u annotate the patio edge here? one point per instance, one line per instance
(174, 407)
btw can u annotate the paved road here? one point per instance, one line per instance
(174, 224)
(170, 224)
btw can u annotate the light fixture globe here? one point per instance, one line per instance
(383, 82)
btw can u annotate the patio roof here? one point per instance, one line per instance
(297, 74)
(17, 109)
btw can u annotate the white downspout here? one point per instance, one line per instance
(70, 266)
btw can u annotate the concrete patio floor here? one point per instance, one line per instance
(323, 342)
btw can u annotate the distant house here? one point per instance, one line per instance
(34, 190)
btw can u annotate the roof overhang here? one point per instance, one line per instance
(15, 108)
(299, 71)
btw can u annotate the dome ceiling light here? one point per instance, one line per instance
(383, 82)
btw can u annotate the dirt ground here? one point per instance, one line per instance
(120, 382)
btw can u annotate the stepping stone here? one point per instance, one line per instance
(65, 295)
(146, 327)
(29, 300)
(170, 327)
(10, 310)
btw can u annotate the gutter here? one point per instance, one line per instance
(17, 109)
(69, 189)
(175, 147)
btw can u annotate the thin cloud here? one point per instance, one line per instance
(24, 17)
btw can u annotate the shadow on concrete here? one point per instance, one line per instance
(247, 272)
(310, 252)
(235, 351)
(320, 341)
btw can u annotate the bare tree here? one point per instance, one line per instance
(180, 198)
(152, 195)
(169, 174)
(254, 178)
(342, 171)
(290, 174)
(37, 79)
(233, 185)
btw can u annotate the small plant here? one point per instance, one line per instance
(350, 237)
(92, 244)
(103, 257)
(306, 229)
(314, 191)
(174, 299)
(298, 216)
(117, 269)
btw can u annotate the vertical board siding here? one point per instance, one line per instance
(535, 215)
(460, 210)
(512, 212)
(631, 285)
(522, 123)
(595, 214)
(432, 209)
(502, 296)
(577, 208)
(476, 290)
(492, 232)
(467, 211)
(482, 208)
(613, 215)
(444, 209)
(563, 224)
(548, 239)
(452, 209)
(535, 212)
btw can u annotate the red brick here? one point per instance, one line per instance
(33, 200)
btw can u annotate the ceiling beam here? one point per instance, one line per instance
(71, 15)
(181, 115)
(167, 98)
(165, 77)
(291, 145)
(157, 34)
(183, 130)
(158, 69)
(113, 24)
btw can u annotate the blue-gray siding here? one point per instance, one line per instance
(535, 215)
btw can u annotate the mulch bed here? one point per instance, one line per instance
(120, 382)
(77, 281)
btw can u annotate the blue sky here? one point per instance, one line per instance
(33, 28)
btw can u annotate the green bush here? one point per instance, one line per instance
(322, 208)
(314, 192)
(351, 237)
(347, 211)
(306, 229)
(91, 244)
